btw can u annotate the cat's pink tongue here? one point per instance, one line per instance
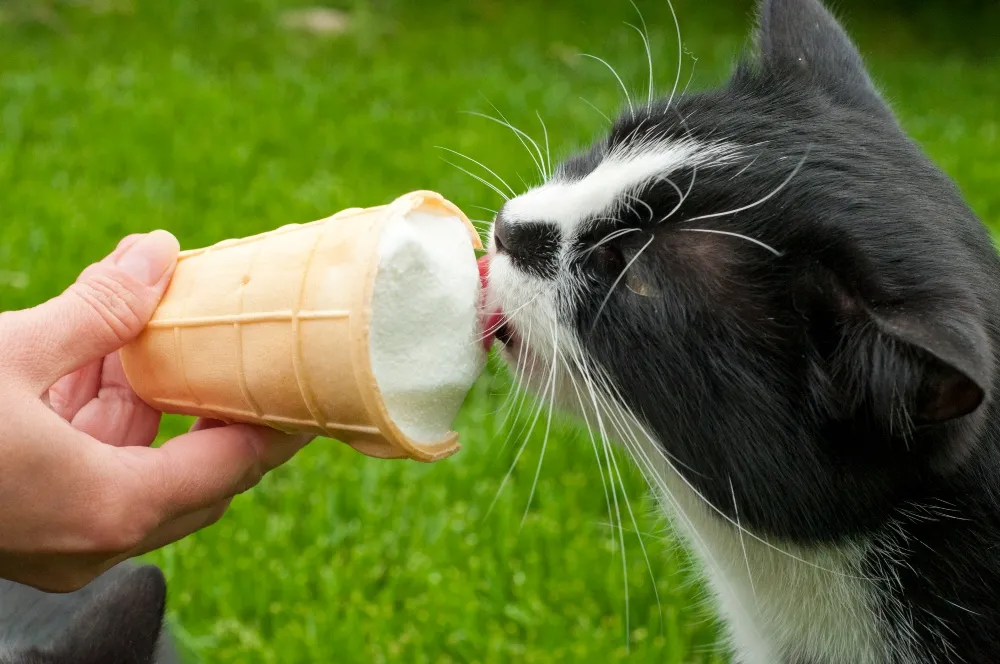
(491, 319)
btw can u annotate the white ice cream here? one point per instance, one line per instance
(425, 331)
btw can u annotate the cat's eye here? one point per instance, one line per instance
(635, 283)
(612, 262)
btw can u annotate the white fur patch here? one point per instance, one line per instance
(566, 203)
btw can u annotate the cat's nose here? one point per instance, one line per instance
(532, 246)
(501, 233)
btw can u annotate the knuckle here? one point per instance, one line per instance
(255, 452)
(9, 340)
(115, 304)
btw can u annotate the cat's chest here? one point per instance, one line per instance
(784, 604)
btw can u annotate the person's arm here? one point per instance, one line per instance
(80, 487)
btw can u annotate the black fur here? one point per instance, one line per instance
(117, 619)
(846, 388)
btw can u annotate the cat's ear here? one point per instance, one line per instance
(802, 38)
(120, 624)
(906, 365)
(942, 361)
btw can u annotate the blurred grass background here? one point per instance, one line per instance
(223, 118)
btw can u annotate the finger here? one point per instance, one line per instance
(119, 419)
(71, 393)
(117, 416)
(126, 242)
(203, 423)
(108, 306)
(199, 469)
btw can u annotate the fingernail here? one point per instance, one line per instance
(128, 241)
(150, 257)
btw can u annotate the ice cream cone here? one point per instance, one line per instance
(273, 329)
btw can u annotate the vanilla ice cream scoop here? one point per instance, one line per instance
(364, 327)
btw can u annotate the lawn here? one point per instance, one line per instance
(215, 119)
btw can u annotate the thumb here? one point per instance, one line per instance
(108, 306)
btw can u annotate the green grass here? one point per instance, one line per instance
(211, 120)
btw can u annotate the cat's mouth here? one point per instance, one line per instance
(495, 324)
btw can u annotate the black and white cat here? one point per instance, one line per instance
(788, 316)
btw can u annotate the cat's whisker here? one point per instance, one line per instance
(593, 442)
(507, 388)
(680, 53)
(614, 235)
(628, 97)
(548, 152)
(732, 234)
(605, 444)
(680, 197)
(635, 524)
(599, 111)
(481, 179)
(520, 373)
(548, 424)
(694, 65)
(644, 33)
(481, 165)
(617, 399)
(759, 201)
(694, 176)
(644, 203)
(550, 383)
(610, 237)
(485, 209)
(621, 276)
(505, 318)
(736, 514)
(745, 168)
(637, 533)
(604, 483)
(517, 458)
(482, 229)
(526, 136)
(537, 157)
(581, 365)
(527, 437)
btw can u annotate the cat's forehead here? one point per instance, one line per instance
(597, 183)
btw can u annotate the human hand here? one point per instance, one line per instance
(81, 489)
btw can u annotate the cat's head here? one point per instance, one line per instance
(120, 621)
(766, 288)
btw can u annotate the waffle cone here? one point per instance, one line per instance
(273, 329)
